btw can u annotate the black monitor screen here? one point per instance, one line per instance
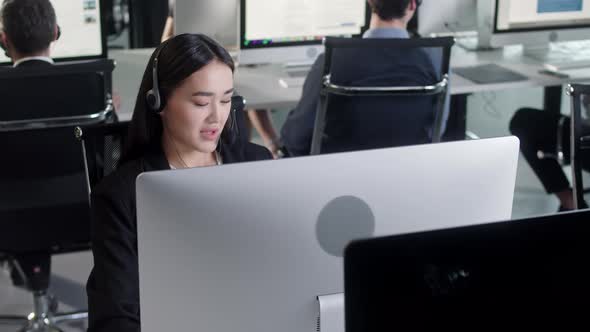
(530, 274)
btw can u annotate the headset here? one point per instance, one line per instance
(156, 102)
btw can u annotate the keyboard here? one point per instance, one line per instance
(568, 56)
(298, 73)
(294, 77)
(568, 65)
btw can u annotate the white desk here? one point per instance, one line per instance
(260, 85)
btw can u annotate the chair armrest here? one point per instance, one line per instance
(59, 121)
(436, 88)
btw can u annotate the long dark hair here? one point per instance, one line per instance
(179, 57)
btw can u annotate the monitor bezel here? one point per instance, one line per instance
(104, 46)
(242, 34)
(538, 29)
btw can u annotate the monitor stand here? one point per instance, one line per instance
(331, 313)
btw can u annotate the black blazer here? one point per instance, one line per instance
(28, 63)
(113, 285)
(34, 63)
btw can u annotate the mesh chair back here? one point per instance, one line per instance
(44, 201)
(62, 92)
(102, 146)
(376, 93)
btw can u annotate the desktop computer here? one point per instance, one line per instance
(538, 25)
(217, 19)
(520, 275)
(82, 36)
(290, 32)
(258, 246)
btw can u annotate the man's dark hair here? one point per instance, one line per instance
(388, 10)
(29, 24)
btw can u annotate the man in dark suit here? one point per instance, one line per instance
(389, 19)
(28, 29)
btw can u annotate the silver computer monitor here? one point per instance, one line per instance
(215, 18)
(456, 17)
(532, 22)
(82, 35)
(291, 31)
(250, 247)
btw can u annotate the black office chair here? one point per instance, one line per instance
(381, 93)
(62, 94)
(579, 142)
(44, 201)
(44, 210)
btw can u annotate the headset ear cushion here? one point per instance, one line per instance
(238, 103)
(153, 101)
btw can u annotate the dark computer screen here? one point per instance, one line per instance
(528, 274)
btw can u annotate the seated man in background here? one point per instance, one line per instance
(28, 29)
(537, 131)
(389, 19)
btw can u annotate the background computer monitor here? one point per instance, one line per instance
(291, 31)
(522, 275)
(532, 22)
(249, 247)
(82, 36)
(216, 18)
(455, 17)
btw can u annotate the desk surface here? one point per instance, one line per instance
(261, 88)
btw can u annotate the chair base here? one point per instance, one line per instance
(43, 318)
(40, 324)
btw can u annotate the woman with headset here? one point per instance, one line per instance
(184, 117)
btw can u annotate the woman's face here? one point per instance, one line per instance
(197, 110)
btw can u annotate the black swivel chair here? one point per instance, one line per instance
(44, 210)
(579, 143)
(381, 93)
(44, 201)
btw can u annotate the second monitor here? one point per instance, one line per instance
(291, 31)
(525, 275)
(533, 23)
